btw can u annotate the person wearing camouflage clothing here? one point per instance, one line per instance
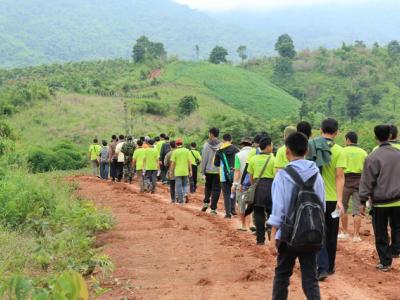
(128, 149)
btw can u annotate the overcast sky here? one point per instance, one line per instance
(221, 5)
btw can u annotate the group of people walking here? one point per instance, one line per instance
(296, 195)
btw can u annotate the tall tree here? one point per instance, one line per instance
(218, 55)
(303, 110)
(394, 49)
(285, 46)
(354, 104)
(283, 68)
(242, 52)
(145, 49)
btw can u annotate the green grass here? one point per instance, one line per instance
(241, 89)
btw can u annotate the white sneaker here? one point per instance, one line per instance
(343, 236)
(357, 239)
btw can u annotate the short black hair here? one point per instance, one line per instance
(157, 139)
(227, 137)
(193, 145)
(95, 140)
(114, 137)
(121, 137)
(172, 144)
(139, 143)
(163, 135)
(382, 133)
(167, 138)
(104, 143)
(151, 142)
(265, 142)
(352, 137)
(329, 126)
(259, 136)
(297, 143)
(142, 138)
(394, 132)
(305, 128)
(214, 131)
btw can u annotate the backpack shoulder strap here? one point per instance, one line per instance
(265, 166)
(310, 182)
(295, 176)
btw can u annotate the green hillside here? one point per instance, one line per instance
(79, 101)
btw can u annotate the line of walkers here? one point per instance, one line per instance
(296, 195)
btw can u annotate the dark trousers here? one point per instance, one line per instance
(380, 219)
(172, 190)
(229, 203)
(260, 218)
(193, 179)
(284, 269)
(113, 169)
(212, 190)
(327, 255)
(395, 235)
(104, 167)
(164, 174)
(120, 170)
(151, 180)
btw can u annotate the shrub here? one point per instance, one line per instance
(187, 105)
(150, 107)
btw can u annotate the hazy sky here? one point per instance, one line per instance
(221, 5)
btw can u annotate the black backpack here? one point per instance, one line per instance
(303, 229)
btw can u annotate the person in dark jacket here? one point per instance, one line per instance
(225, 160)
(380, 184)
(165, 148)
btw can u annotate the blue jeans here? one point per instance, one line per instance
(104, 167)
(181, 187)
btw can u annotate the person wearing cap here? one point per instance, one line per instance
(151, 166)
(238, 186)
(181, 166)
(281, 160)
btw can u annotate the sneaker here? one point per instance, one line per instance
(331, 272)
(228, 217)
(186, 198)
(205, 207)
(322, 276)
(383, 268)
(252, 229)
(234, 213)
(260, 243)
(357, 239)
(213, 212)
(396, 255)
(343, 236)
(242, 229)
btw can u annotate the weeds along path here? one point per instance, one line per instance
(163, 251)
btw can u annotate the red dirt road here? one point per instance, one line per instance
(163, 251)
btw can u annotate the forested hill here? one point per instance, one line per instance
(41, 31)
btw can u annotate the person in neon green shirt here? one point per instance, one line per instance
(94, 156)
(281, 160)
(380, 184)
(355, 159)
(263, 199)
(137, 163)
(151, 166)
(195, 157)
(181, 166)
(333, 176)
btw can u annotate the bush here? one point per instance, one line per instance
(187, 105)
(150, 107)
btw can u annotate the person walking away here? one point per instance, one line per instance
(170, 175)
(284, 192)
(94, 154)
(212, 189)
(355, 159)
(151, 166)
(281, 160)
(225, 161)
(120, 158)
(195, 157)
(238, 187)
(113, 158)
(104, 161)
(164, 149)
(181, 166)
(128, 149)
(262, 168)
(331, 160)
(137, 163)
(380, 183)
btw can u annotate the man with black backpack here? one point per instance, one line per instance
(225, 160)
(297, 219)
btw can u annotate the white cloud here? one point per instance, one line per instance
(221, 5)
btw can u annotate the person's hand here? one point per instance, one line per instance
(272, 247)
(190, 174)
(233, 189)
(340, 206)
(362, 210)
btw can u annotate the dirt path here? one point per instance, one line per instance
(163, 251)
